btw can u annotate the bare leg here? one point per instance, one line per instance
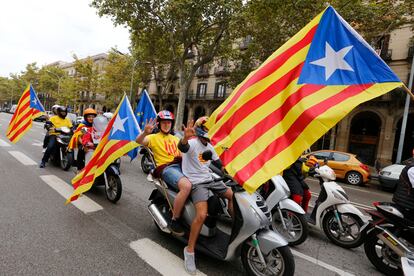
(184, 187)
(201, 214)
(229, 196)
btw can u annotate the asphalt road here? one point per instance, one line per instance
(42, 236)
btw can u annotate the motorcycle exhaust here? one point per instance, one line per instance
(158, 218)
(392, 242)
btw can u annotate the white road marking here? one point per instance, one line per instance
(360, 205)
(156, 255)
(37, 144)
(83, 203)
(320, 263)
(4, 143)
(22, 158)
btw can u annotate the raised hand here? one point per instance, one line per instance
(150, 125)
(189, 130)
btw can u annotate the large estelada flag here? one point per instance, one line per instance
(118, 139)
(299, 93)
(28, 108)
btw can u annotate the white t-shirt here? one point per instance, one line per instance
(410, 173)
(193, 166)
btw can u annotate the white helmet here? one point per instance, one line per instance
(108, 115)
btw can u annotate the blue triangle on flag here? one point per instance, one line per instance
(338, 55)
(34, 100)
(125, 126)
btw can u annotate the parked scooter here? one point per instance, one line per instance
(389, 242)
(110, 178)
(146, 163)
(61, 156)
(263, 252)
(293, 226)
(341, 221)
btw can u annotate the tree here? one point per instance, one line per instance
(269, 24)
(196, 31)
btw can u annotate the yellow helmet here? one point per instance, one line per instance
(89, 111)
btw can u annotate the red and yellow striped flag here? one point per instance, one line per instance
(28, 108)
(294, 97)
(117, 139)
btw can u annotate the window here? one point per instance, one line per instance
(220, 91)
(201, 90)
(340, 157)
(322, 155)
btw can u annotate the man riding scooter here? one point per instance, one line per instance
(46, 139)
(295, 179)
(196, 169)
(164, 147)
(55, 122)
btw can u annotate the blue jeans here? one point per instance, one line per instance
(172, 174)
(50, 148)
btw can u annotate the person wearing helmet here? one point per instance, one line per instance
(46, 139)
(295, 178)
(166, 154)
(77, 139)
(196, 169)
(54, 122)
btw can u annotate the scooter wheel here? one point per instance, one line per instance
(297, 231)
(280, 261)
(381, 256)
(113, 190)
(351, 237)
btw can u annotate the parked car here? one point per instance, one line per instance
(389, 176)
(346, 165)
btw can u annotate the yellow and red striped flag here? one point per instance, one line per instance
(28, 108)
(117, 139)
(299, 93)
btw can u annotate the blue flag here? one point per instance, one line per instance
(144, 112)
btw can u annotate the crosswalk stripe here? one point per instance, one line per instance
(156, 255)
(83, 203)
(22, 158)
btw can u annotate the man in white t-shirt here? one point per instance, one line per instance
(196, 169)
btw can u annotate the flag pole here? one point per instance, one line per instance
(405, 116)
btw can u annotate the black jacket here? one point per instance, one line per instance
(404, 193)
(295, 179)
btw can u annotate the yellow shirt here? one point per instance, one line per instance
(59, 122)
(164, 147)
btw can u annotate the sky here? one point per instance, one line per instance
(45, 31)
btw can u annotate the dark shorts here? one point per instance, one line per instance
(202, 192)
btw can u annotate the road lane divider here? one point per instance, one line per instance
(37, 144)
(4, 143)
(22, 158)
(162, 260)
(83, 203)
(321, 263)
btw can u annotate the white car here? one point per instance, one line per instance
(390, 175)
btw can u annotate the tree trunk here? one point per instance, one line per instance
(185, 82)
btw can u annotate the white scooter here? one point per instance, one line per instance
(341, 221)
(293, 226)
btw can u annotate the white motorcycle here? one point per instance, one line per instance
(293, 226)
(341, 221)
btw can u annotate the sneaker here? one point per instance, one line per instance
(42, 164)
(189, 262)
(43, 150)
(176, 228)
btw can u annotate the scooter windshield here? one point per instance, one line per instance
(99, 125)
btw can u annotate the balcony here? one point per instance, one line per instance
(203, 72)
(386, 55)
(209, 97)
(221, 71)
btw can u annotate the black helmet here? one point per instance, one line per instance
(62, 112)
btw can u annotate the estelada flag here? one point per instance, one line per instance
(299, 93)
(117, 139)
(28, 108)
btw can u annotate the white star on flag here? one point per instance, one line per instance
(35, 101)
(118, 124)
(333, 60)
